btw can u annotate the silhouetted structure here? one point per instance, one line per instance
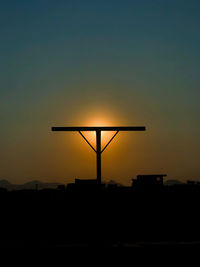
(61, 187)
(90, 184)
(98, 131)
(148, 182)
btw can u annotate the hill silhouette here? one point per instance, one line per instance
(29, 185)
(173, 182)
(4, 183)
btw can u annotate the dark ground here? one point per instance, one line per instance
(117, 218)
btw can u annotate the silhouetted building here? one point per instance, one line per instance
(87, 184)
(194, 183)
(61, 187)
(148, 182)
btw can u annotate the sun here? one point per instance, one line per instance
(105, 136)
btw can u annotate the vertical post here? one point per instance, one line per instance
(98, 149)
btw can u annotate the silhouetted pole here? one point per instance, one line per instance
(98, 131)
(98, 149)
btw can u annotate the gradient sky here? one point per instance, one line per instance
(113, 62)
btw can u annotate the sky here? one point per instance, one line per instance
(106, 62)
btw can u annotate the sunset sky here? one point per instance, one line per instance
(99, 62)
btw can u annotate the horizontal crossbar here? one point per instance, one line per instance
(103, 128)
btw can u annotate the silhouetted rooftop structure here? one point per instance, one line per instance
(148, 181)
(61, 187)
(87, 184)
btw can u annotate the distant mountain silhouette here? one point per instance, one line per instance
(5, 184)
(29, 185)
(173, 182)
(43, 185)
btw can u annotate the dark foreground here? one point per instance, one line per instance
(100, 218)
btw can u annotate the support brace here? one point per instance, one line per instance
(87, 141)
(109, 141)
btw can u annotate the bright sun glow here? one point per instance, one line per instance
(94, 116)
(105, 136)
(99, 122)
